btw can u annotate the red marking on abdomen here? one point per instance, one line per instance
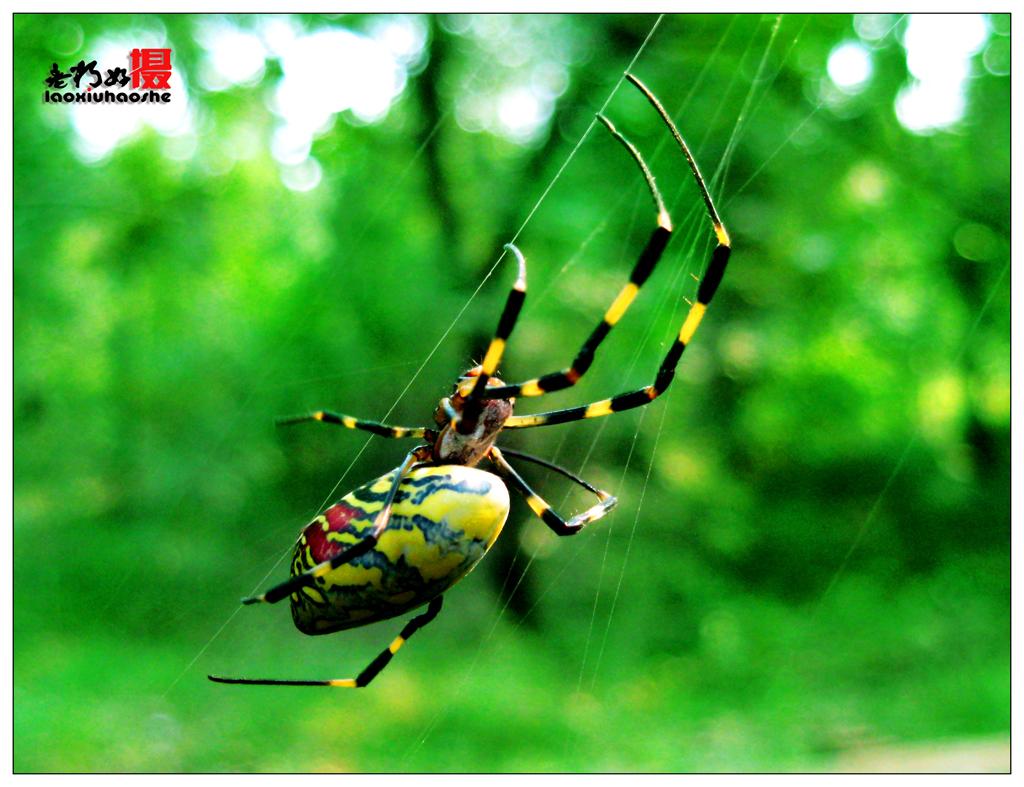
(338, 518)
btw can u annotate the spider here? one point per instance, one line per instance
(402, 540)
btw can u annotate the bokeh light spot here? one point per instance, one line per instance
(233, 56)
(939, 49)
(849, 66)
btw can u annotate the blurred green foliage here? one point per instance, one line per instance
(811, 553)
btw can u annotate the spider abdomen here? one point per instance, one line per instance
(443, 521)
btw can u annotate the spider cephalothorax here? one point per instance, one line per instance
(469, 427)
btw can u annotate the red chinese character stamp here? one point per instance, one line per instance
(151, 68)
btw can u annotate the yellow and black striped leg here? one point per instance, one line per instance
(649, 257)
(380, 522)
(666, 373)
(382, 430)
(705, 292)
(466, 421)
(372, 670)
(540, 507)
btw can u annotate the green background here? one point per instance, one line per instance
(810, 559)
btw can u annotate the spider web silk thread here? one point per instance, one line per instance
(460, 687)
(697, 221)
(694, 219)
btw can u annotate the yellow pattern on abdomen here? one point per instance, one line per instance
(443, 521)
